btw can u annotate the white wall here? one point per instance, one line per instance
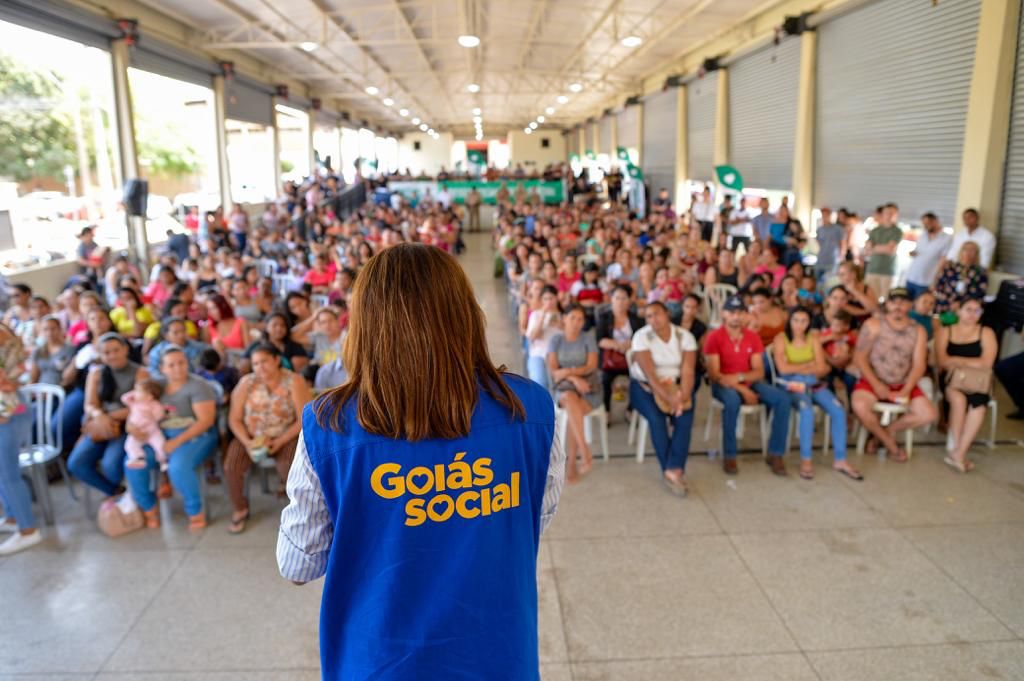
(526, 149)
(432, 154)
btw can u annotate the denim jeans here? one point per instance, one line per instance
(826, 399)
(672, 453)
(71, 419)
(181, 468)
(916, 289)
(778, 403)
(537, 370)
(109, 455)
(1009, 371)
(14, 492)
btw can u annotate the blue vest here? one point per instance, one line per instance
(432, 573)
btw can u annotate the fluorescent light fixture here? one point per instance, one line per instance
(372, 90)
(479, 136)
(478, 119)
(562, 99)
(550, 110)
(403, 112)
(473, 87)
(415, 121)
(477, 111)
(430, 132)
(575, 87)
(632, 41)
(540, 119)
(469, 40)
(533, 125)
(423, 127)
(388, 101)
(308, 45)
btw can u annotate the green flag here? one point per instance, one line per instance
(574, 157)
(591, 155)
(623, 154)
(730, 177)
(634, 172)
(475, 156)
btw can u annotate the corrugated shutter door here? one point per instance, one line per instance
(167, 61)
(60, 19)
(763, 91)
(628, 127)
(701, 101)
(1010, 239)
(658, 158)
(892, 90)
(246, 102)
(605, 129)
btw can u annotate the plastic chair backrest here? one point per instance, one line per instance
(266, 268)
(715, 297)
(47, 401)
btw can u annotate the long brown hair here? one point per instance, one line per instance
(415, 349)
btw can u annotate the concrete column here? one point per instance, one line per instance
(220, 116)
(309, 140)
(682, 151)
(595, 137)
(721, 156)
(583, 143)
(615, 138)
(803, 147)
(277, 147)
(138, 244)
(640, 135)
(982, 166)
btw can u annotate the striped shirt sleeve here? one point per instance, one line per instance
(304, 540)
(555, 482)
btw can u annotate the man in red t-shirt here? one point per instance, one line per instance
(735, 363)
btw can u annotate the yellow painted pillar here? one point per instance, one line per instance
(220, 118)
(803, 147)
(988, 112)
(595, 137)
(138, 244)
(721, 156)
(583, 143)
(640, 135)
(682, 151)
(277, 147)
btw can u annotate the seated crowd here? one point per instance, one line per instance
(213, 359)
(733, 296)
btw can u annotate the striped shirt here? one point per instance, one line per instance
(304, 540)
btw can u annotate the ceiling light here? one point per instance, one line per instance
(477, 119)
(372, 90)
(308, 45)
(479, 137)
(476, 111)
(415, 121)
(528, 131)
(473, 87)
(388, 101)
(533, 125)
(562, 99)
(575, 87)
(540, 119)
(469, 40)
(430, 131)
(550, 110)
(403, 112)
(423, 127)
(632, 41)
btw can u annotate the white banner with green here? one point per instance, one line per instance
(550, 192)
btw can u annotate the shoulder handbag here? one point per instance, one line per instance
(970, 379)
(119, 517)
(97, 431)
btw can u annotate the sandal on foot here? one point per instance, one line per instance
(677, 487)
(197, 522)
(164, 491)
(152, 517)
(850, 473)
(237, 525)
(899, 456)
(955, 465)
(806, 474)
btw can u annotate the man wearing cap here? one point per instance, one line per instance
(892, 355)
(735, 362)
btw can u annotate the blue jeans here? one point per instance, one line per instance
(672, 453)
(537, 370)
(109, 455)
(181, 468)
(826, 399)
(778, 404)
(916, 289)
(71, 419)
(14, 493)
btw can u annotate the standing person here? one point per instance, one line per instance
(428, 448)
(735, 363)
(762, 222)
(973, 231)
(892, 355)
(541, 327)
(969, 349)
(883, 241)
(473, 201)
(740, 231)
(614, 331)
(662, 388)
(703, 213)
(932, 246)
(831, 244)
(15, 430)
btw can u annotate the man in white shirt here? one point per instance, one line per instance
(932, 245)
(741, 231)
(972, 231)
(444, 197)
(703, 213)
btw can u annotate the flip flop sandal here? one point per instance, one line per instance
(899, 456)
(955, 465)
(806, 475)
(851, 475)
(238, 526)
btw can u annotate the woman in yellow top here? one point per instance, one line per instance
(131, 317)
(801, 368)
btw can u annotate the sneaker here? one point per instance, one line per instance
(730, 467)
(7, 525)
(20, 542)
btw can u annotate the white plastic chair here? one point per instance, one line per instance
(714, 298)
(889, 413)
(46, 403)
(597, 414)
(993, 418)
(266, 268)
(285, 284)
(639, 429)
(746, 410)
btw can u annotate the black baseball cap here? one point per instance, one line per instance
(898, 292)
(734, 304)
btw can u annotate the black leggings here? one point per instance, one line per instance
(608, 376)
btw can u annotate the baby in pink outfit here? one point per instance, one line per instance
(144, 415)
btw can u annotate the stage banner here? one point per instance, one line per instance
(550, 192)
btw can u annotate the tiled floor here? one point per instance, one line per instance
(916, 574)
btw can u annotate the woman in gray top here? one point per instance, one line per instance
(51, 358)
(572, 365)
(104, 387)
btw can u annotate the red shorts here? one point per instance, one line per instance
(862, 384)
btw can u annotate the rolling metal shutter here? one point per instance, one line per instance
(763, 92)
(572, 143)
(60, 19)
(628, 127)
(167, 61)
(1010, 242)
(248, 101)
(892, 89)
(658, 158)
(701, 102)
(605, 136)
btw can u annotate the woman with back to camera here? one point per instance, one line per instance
(421, 486)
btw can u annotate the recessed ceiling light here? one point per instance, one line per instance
(423, 127)
(469, 40)
(528, 131)
(415, 121)
(479, 137)
(473, 87)
(477, 119)
(533, 125)
(562, 99)
(430, 131)
(476, 111)
(388, 101)
(575, 87)
(540, 119)
(403, 112)
(372, 90)
(550, 110)
(308, 45)
(632, 41)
